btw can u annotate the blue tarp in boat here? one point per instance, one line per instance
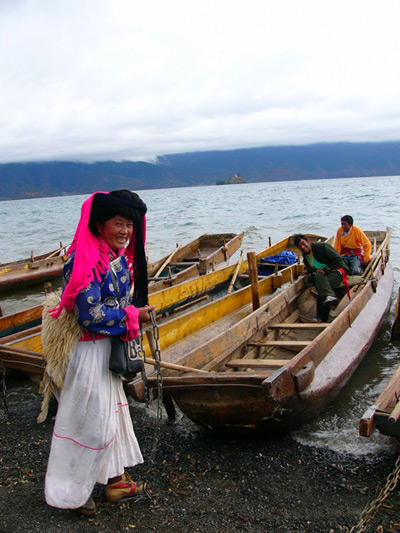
(287, 257)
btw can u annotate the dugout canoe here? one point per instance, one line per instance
(194, 259)
(274, 368)
(30, 271)
(175, 321)
(384, 414)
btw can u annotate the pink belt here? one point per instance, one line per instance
(90, 336)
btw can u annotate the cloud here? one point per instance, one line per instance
(108, 79)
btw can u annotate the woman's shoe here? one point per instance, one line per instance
(124, 488)
(89, 509)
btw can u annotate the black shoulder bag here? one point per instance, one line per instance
(126, 357)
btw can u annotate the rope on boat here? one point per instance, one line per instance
(372, 508)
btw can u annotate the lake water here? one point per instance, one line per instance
(261, 210)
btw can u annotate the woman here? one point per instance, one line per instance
(93, 438)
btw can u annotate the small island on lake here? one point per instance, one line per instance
(236, 178)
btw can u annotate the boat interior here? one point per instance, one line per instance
(202, 254)
(285, 327)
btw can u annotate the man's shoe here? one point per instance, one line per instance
(124, 488)
(331, 300)
(316, 319)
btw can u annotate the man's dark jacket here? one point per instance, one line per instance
(325, 253)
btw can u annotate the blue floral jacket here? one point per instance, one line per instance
(97, 308)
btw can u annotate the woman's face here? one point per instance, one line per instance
(116, 232)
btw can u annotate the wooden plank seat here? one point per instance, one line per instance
(283, 344)
(299, 325)
(256, 363)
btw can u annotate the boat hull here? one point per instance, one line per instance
(32, 274)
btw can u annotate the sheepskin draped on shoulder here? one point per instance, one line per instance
(59, 337)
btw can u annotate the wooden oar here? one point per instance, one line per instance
(166, 262)
(235, 274)
(173, 366)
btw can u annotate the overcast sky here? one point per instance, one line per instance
(128, 79)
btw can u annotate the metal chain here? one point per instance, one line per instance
(157, 357)
(374, 506)
(148, 398)
(147, 394)
(4, 389)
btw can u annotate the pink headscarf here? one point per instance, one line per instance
(92, 257)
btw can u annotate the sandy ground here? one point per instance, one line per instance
(201, 481)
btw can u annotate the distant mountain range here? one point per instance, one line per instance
(315, 161)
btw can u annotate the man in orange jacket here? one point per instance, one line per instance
(352, 243)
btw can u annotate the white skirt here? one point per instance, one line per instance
(93, 438)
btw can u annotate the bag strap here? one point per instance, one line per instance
(114, 281)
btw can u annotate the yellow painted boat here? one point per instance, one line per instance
(18, 274)
(196, 258)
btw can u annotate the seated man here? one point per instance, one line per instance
(353, 245)
(328, 269)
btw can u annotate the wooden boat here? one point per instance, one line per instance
(21, 321)
(25, 272)
(182, 322)
(385, 413)
(166, 301)
(208, 251)
(195, 258)
(22, 262)
(273, 368)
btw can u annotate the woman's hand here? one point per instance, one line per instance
(144, 313)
